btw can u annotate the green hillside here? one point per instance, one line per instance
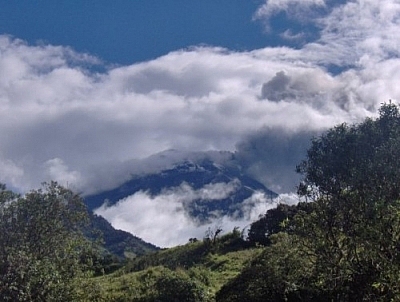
(117, 242)
(192, 272)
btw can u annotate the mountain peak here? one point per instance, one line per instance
(196, 190)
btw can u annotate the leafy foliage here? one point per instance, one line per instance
(361, 158)
(346, 245)
(275, 275)
(273, 222)
(190, 254)
(178, 287)
(354, 172)
(157, 284)
(42, 249)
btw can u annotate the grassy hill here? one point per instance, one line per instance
(192, 272)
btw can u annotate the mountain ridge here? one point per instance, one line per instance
(202, 176)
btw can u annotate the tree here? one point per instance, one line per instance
(356, 254)
(362, 158)
(346, 246)
(160, 284)
(352, 175)
(273, 222)
(282, 272)
(178, 287)
(41, 244)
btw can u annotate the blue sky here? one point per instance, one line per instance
(125, 32)
(90, 89)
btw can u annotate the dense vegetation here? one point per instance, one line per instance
(341, 243)
(345, 245)
(192, 272)
(43, 253)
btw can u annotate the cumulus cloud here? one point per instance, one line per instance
(88, 120)
(62, 119)
(164, 221)
(277, 88)
(271, 155)
(11, 173)
(57, 169)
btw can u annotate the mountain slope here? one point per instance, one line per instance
(118, 242)
(192, 272)
(215, 189)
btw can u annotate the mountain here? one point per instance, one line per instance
(214, 183)
(118, 242)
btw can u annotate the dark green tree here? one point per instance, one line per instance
(273, 222)
(160, 284)
(177, 287)
(346, 247)
(361, 158)
(282, 272)
(41, 244)
(352, 173)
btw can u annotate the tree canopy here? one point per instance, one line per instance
(42, 248)
(361, 158)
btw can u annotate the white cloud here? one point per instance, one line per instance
(87, 120)
(274, 6)
(164, 221)
(159, 220)
(359, 33)
(11, 173)
(57, 169)
(61, 120)
(302, 10)
(98, 126)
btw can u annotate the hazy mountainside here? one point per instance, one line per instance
(118, 242)
(220, 189)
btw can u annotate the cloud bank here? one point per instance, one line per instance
(164, 221)
(61, 119)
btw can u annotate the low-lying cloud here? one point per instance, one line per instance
(164, 221)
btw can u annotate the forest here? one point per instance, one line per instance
(341, 242)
